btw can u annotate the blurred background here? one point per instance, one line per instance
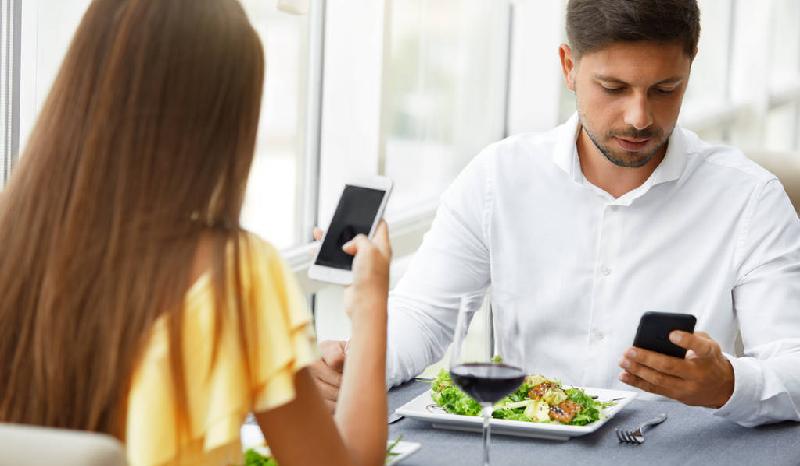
(413, 89)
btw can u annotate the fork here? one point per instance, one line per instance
(636, 436)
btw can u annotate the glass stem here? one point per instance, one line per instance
(487, 417)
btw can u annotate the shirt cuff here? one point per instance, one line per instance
(743, 406)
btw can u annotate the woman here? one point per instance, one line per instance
(131, 302)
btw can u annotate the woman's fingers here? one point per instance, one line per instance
(381, 239)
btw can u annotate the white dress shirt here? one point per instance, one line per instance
(710, 233)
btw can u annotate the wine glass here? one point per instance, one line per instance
(486, 358)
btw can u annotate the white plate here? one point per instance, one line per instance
(253, 438)
(424, 409)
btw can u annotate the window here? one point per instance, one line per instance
(766, 76)
(47, 29)
(780, 129)
(708, 84)
(783, 120)
(275, 193)
(444, 92)
(784, 50)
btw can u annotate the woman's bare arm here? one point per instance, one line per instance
(358, 435)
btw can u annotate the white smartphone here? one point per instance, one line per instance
(360, 207)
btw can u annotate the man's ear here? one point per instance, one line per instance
(568, 65)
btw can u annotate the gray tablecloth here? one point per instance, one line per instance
(690, 436)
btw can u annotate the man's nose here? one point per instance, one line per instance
(637, 112)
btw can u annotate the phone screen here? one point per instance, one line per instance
(354, 215)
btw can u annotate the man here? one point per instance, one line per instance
(612, 214)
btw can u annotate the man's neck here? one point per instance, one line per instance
(604, 174)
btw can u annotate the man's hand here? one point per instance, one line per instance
(704, 378)
(327, 372)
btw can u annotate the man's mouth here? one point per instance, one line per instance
(632, 144)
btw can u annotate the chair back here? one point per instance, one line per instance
(22, 445)
(786, 166)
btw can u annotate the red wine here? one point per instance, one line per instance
(487, 382)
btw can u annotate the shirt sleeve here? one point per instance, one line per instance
(453, 260)
(280, 333)
(767, 304)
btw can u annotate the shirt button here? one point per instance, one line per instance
(605, 271)
(597, 335)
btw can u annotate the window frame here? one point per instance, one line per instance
(10, 82)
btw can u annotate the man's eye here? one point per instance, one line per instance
(663, 91)
(613, 90)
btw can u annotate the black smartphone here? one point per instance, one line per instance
(655, 327)
(360, 208)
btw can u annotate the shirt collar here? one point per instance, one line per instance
(565, 156)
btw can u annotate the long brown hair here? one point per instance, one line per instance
(142, 148)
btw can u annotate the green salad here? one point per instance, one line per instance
(254, 458)
(538, 399)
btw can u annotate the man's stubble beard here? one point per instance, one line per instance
(640, 160)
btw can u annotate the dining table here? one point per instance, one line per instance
(689, 436)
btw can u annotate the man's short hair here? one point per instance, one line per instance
(594, 24)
